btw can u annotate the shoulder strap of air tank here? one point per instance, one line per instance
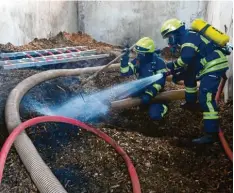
(202, 31)
(154, 61)
(190, 30)
(154, 58)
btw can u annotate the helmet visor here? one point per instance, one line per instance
(171, 40)
(139, 49)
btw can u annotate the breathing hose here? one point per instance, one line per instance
(8, 143)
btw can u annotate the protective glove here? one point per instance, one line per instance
(158, 52)
(145, 98)
(171, 66)
(179, 74)
(126, 53)
(125, 57)
(168, 73)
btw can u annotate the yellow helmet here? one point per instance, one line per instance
(170, 26)
(145, 45)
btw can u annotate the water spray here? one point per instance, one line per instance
(95, 104)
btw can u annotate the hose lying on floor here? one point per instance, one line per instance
(8, 143)
(223, 141)
(40, 173)
(225, 145)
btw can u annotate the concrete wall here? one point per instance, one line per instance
(120, 22)
(22, 21)
(220, 14)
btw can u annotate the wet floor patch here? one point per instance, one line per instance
(51, 139)
(73, 178)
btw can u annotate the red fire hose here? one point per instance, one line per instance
(223, 141)
(220, 89)
(225, 145)
(8, 143)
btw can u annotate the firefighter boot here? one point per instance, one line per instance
(208, 138)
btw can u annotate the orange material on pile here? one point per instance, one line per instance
(86, 40)
(167, 54)
(62, 39)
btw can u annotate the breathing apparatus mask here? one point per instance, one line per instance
(173, 42)
(174, 39)
(140, 56)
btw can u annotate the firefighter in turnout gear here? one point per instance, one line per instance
(201, 58)
(145, 64)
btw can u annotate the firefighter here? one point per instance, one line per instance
(145, 64)
(200, 59)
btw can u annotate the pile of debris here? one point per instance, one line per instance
(62, 39)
